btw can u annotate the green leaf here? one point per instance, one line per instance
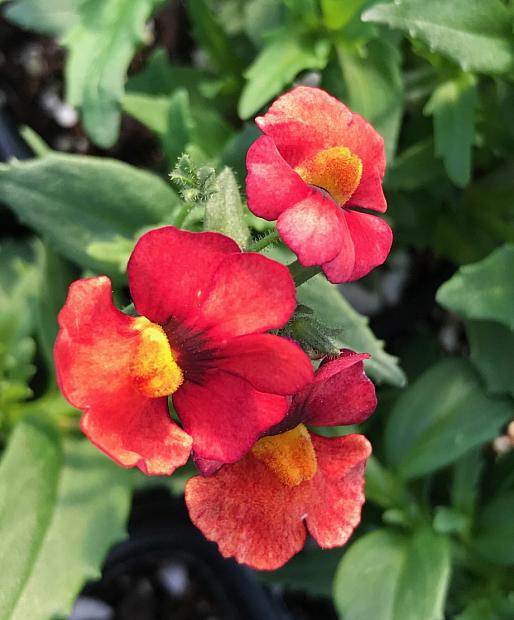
(414, 168)
(52, 18)
(100, 47)
(408, 577)
(453, 107)
(332, 308)
(492, 352)
(477, 34)
(465, 480)
(76, 202)
(494, 536)
(59, 519)
(441, 416)
(285, 55)
(224, 210)
(337, 14)
(375, 87)
(311, 571)
(483, 290)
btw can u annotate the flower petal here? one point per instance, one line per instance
(340, 394)
(336, 493)
(307, 120)
(311, 228)
(271, 185)
(303, 121)
(225, 415)
(250, 293)
(270, 363)
(93, 353)
(340, 268)
(249, 513)
(372, 238)
(134, 430)
(170, 269)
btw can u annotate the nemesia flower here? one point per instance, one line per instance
(258, 509)
(204, 306)
(314, 164)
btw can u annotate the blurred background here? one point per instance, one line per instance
(85, 82)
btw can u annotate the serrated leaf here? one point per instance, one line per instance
(76, 202)
(441, 416)
(409, 577)
(332, 308)
(452, 106)
(483, 290)
(477, 34)
(100, 47)
(375, 87)
(285, 55)
(224, 210)
(60, 513)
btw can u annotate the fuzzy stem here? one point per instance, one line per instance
(183, 213)
(301, 274)
(263, 242)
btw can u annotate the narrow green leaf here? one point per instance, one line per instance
(333, 309)
(494, 536)
(100, 47)
(29, 477)
(53, 18)
(224, 210)
(84, 513)
(441, 416)
(452, 106)
(408, 576)
(483, 290)
(76, 202)
(475, 33)
(375, 87)
(337, 14)
(465, 480)
(277, 65)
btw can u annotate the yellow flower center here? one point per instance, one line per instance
(153, 368)
(336, 170)
(289, 455)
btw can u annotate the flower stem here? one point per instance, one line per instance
(263, 242)
(301, 274)
(183, 213)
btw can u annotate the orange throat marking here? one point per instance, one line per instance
(336, 170)
(154, 369)
(289, 455)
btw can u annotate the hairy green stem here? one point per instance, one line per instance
(263, 242)
(301, 274)
(183, 213)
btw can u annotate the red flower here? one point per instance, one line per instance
(255, 509)
(316, 160)
(204, 307)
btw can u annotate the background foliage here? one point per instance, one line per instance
(436, 79)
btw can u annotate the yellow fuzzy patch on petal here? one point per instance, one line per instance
(153, 367)
(336, 170)
(289, 455)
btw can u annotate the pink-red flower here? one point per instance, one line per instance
(314, 164)
(204, 309)
(257, 510)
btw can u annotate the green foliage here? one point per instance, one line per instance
(61, 508)
(477, 34)
(53, 18)
(224, 210)
(441, 416)
(494, 535)
(84, 205)
(278, 64)
(408, 574)
(452, 106)
(332, 308)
